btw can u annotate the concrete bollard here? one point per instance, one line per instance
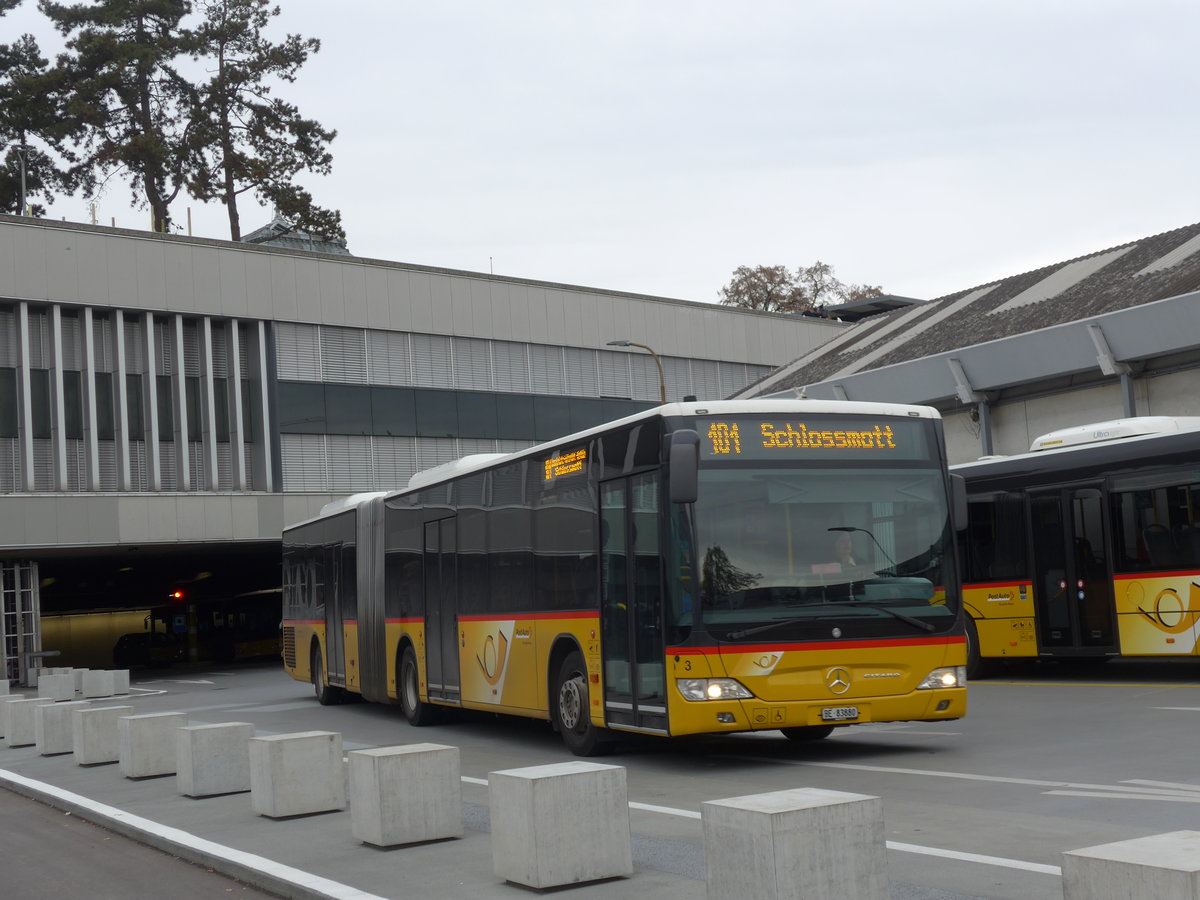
(560, 824)
(403, 795)
(4, 687)
(146, 743)
(120, 681)
(297, 774)
(213, 759)
(803, 842)
(1163, 866)
(97, 683)
(94, 734)
(52, 727)
(4, 701)
(56, 687)
(19, 726)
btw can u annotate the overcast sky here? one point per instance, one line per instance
(653, 147)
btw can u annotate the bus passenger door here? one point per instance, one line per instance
(1073, 589)
(335, 635)
(631, 603)
(441, 609)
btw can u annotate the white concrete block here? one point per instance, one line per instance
(19, 726)
(297, 774)
(97, 683)
(560, 824)
(56, 687)
(804, 842)
(120, 681)
(77, 674)
(4, 711)
(4, 687)
(213, 759)
(402, 795)
(94, 734)
(146, 743)
(1162, 866)
(52, 727)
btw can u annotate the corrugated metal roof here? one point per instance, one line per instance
(1063, 279)
(1174, 258)
(1151, 269)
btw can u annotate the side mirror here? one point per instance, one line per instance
(683, 461)
(958, 494)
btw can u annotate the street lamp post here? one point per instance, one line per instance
(662, 382)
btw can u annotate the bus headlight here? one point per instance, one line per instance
(712, 689)
(949, 677)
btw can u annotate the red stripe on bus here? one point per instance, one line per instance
(995, 584)
(1186, 573)
(414, 620)
(730, 649)
(497, 617)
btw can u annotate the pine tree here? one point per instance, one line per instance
(241, 137)
(30, 127)
(126, 98)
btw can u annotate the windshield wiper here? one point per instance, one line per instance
(870, 604)
(896, 614)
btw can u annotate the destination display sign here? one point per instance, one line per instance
(565, 464)
(812, 437)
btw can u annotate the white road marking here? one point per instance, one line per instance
(278, 707)
(891, 845)
(977, 858)
(1164, 791)
(289, 874)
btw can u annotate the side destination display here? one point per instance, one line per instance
(812, 438)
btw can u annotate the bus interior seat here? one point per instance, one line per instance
(1159, 545)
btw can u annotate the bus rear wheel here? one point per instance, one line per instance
(408, 683)
(327, 694)
(808, 732)
(572, 710)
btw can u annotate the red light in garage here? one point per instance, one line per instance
(177, 595)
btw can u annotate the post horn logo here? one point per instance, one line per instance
(837, 680)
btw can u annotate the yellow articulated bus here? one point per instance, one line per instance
(1087, 546)
(698, 568)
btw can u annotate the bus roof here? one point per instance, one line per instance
(770, 405)
(1113, 430)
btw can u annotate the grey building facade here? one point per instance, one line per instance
(180, 400)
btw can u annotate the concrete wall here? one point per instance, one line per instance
(1016, 423)
(33, 521)
(70, 263)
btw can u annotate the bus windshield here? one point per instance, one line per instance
(813, 553)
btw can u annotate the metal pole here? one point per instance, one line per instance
(22, 149)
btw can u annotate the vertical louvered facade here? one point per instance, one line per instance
(159, 390)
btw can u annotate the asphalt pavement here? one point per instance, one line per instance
(312, 856)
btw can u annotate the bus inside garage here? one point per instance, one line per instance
(155, 606)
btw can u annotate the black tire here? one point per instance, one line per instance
(571, 708)
(327, 694)
(408, 686)
(977, 666)
(808, 732)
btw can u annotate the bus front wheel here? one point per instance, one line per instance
(572, 710)
(417, 711)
